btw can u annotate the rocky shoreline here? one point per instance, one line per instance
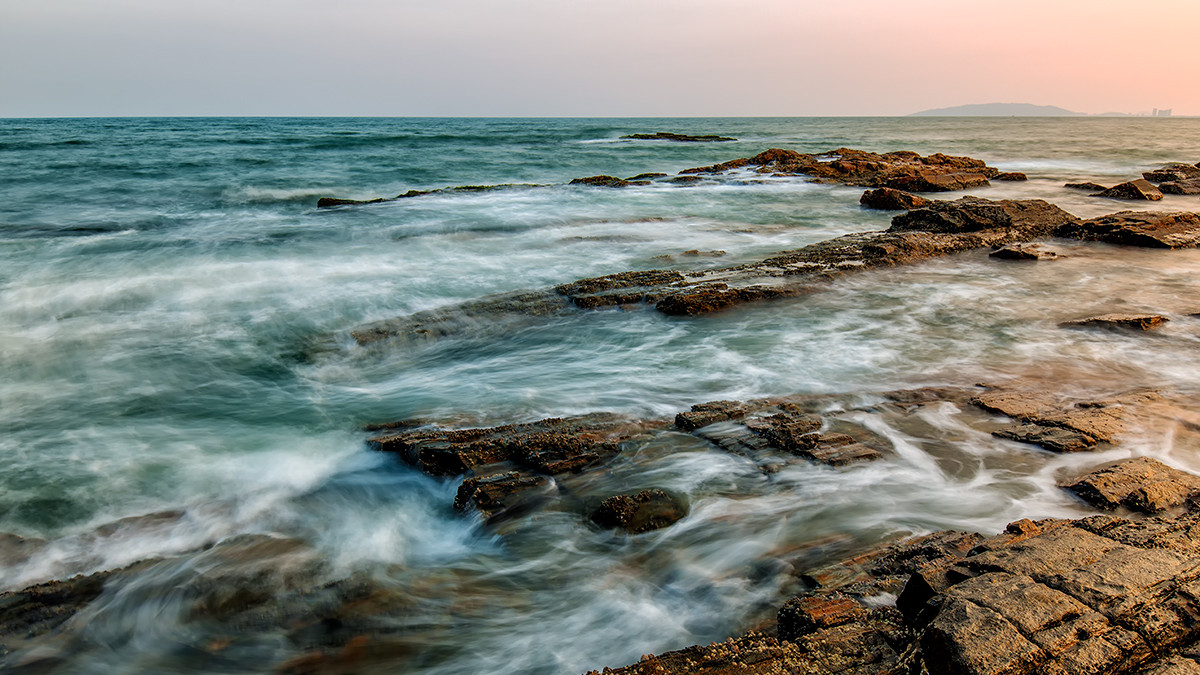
(1100, 594)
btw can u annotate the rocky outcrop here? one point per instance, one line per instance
(1141, 484)
(1141, 322)
(680, 138)
(640, 512)
(1028, 252)
(1139, 189)
(1095, 595)
(891, 199)
(1176, 171)
(1012, 176)
(1064, 425)
(902, 170)
(1152, 229)
(1181, 187)
(600, 181)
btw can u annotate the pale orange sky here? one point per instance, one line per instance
(580, 58)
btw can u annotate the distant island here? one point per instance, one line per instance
(999, 110)
(1025, 110)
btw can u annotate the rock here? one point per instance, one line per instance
(1138, 228)
(1086, 186)
(641, 512)
(683, 138)
(550, 446)
(1032, 252)
(1181, 187)
(330, 202)
(600, 181)
(1034, 217)
(704, 414)
(645, 176)
(498, 493)
(1141, 484)
(938, 182)
(1015, 176)
(1129, 321)
(1084, 423)
(889, 199)
(1139, 189)
(1176, 171)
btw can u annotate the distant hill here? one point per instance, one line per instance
(998, 110)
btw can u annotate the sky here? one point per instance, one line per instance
(589, 58)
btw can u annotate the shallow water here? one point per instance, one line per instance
(165, 285)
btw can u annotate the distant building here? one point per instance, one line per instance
(1166, 112)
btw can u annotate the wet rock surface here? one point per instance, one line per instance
(891, 199)
(1094, 187)
(1139, 228)
(1139, 189)
(1142, 322)
(1063, 424)
(1141, 484)
(640, 512)
(1027, 252)
(1094, 595)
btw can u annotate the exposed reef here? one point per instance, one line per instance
(679, 138)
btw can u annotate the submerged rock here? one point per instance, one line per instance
(640, 512)
(1096, 187)
(1031, 252)
(1138, 228)
(1141, 484)
(681, 138)
(1139, 189)
(1124, 321)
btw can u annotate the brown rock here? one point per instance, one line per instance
(1176, 171)
(1141, 484)
(973, 214)
(641, 512)
(1129, 321)
(1139, 189)
(704, 414)
(1096, 187)
(1138, 228)
(1032, 252)
(1056, 439)
(943, 182)
(889, 199)
(1015, 176)
(498, 493)
(600, 181)
(1042, 412)
(1181, 187)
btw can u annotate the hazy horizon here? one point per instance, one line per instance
(532, 58)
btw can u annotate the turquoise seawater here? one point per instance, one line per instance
(175, 352)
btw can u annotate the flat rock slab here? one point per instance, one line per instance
(1141, 484)
(1138, 228)
(1064, 425)
(1141, 322)
(1095, 187)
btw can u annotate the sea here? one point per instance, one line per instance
(181, 396)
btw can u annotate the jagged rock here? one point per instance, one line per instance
(1033, 217)
(600, 181)
(1176, 171)
(551, 446)
(683, 138)
(1129, 321)
(1138, 228)
(645, 176)
(890, 199)
(641, 512)
(1096, 187)
(1141, 484)
(704, 414)
(497, 493)
(1181, 187)
(1014, 176)
(1032, 252)
(1139, 189)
